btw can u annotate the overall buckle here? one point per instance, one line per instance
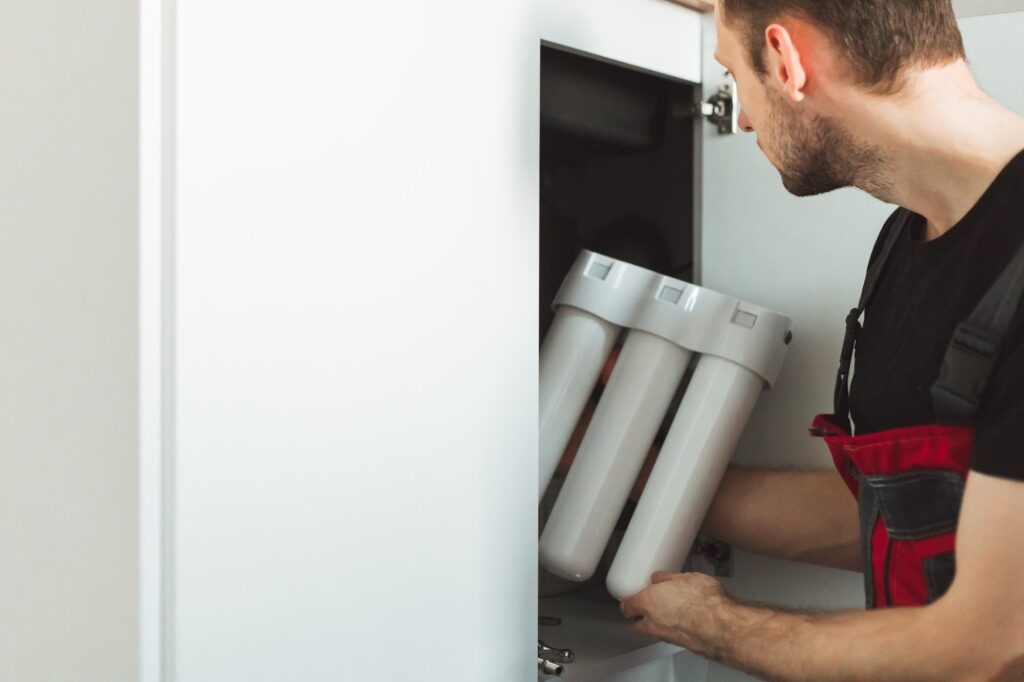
(965, 373)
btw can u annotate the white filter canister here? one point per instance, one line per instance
(646, 375)
(714, 411)
(571, 358)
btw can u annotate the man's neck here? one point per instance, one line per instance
(944, 141)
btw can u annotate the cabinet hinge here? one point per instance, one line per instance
(722, 109)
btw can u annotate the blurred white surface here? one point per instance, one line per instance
(356, 343)
(68, 329)
(654, 35)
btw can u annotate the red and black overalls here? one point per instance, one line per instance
(909, 482)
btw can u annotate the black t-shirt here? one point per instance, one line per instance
(928, 288)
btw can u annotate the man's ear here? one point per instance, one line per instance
(784, 62)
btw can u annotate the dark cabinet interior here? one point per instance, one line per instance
(617, 168)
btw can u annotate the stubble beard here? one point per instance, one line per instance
(815, 156)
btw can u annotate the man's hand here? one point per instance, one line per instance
(974, 632)
(679, 608)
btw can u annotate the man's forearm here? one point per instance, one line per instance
(802, 516)
(975, 631)
(920, 644)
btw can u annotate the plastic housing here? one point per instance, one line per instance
(740, 348)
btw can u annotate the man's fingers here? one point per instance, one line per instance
(629, 608)
(642, 627)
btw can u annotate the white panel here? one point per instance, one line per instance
(971, 8)
(356, 388)
(996, 55)
(655, 35)
(68, 330)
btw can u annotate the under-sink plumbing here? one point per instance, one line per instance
(550, 660)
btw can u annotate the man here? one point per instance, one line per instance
(876, 94)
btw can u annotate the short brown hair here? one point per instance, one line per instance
(878, 38)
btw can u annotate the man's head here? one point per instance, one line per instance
(797, 63)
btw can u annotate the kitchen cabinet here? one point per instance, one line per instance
(340, 258)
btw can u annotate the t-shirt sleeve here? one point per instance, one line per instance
(999, 438)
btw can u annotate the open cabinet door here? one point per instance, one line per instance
(806, 258)
(343, 340)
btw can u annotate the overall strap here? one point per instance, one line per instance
(841, 398)
(976, 343)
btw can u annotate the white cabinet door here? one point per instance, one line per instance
(350, 370)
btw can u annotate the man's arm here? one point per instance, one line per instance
(974, 632)
(802, 516)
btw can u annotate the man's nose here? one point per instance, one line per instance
(745, 123)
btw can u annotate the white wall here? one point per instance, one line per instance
(996, 55)
(807, 257)
(68, 326)
(355, 392)
(970, 8)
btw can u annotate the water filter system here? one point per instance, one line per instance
(668, 324)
